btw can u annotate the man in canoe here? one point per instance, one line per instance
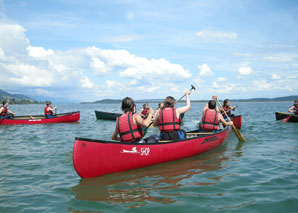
(227, 108)
(5, 113)
(168, 119)
(129, 125)
(49, 111)
(211, 117)
(294, 108)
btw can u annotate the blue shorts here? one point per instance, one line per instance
(49, 116)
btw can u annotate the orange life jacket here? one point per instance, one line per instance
(4, 112)
(47, 112)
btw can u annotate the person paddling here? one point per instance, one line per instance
(49, 111)
(5, 113)
(211, 117)
(145, 110)
(129, 125)
(168, 119)
(227, 108)
(294, 108)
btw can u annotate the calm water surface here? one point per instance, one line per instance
(260, 175)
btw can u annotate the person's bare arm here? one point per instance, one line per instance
(144, 122)
(1, 109)
(10, 112)
(115, 135)
(156, 118)
(220, 118)
(291, 109)
(184, 109)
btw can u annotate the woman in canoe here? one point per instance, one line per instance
(227, 108)
(160, 106)
(5, 113)
(168, 119)
(294, 108)
(129, 125)
(211, 117)
(49, 111)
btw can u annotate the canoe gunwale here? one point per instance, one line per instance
(37, 116)
(136, 144)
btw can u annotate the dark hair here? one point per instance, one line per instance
(127, 104)
(212, 104)
(144, 105)
(48, 103)
(4, 102)
(225, 102)
(169, 102)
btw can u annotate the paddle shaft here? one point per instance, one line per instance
(192, 88)
(237, 133)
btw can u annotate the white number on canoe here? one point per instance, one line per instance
(143, 151)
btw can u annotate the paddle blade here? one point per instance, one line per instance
(238, 134)
(286, 119)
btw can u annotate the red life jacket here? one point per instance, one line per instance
(168, 120)
(4, 112)
(128, 130)
(145, 111)
(47, 112)
(228, 111)
(210, 120)
(295, 109)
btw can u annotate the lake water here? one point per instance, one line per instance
(260, 175)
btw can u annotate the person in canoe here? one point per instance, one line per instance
(145, 110)
(129, 125)
(5, 113)
(160, 106)
(294, 108)
(227, 108)
(211, 117)
(168, 119)
(49, 111)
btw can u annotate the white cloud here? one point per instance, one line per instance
(245, 71)
(205, 70)
(275, 77)
(98, 66)
(39, 52)
(222, 79)
(87, 84)
(216, 35)
(281, 57)
(261, 85)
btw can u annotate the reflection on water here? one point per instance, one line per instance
(155, 183)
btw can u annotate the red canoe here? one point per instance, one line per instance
(93, 158)
(237, 120)
(40, 119)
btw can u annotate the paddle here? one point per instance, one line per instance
(236, 131)
(285, 120)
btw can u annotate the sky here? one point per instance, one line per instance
(92, 50)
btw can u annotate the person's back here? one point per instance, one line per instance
(168, 119)
(129, 125)
(210, 117)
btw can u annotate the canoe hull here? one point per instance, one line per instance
(107, 115)
(237, 120)
(37, 119)
(282, 115)
(93, 158)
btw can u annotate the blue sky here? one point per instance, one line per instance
(91, 50)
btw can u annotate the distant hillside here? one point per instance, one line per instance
(115, 101)
(16, 98)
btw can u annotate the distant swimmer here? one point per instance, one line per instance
(5, 113)
(49, 111)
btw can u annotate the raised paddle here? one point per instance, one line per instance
(236, 131)
(192, 88)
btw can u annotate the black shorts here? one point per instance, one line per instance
(175, 135)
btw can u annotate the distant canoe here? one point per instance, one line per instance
(282, 115)
(107, 115)
(40, 119)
